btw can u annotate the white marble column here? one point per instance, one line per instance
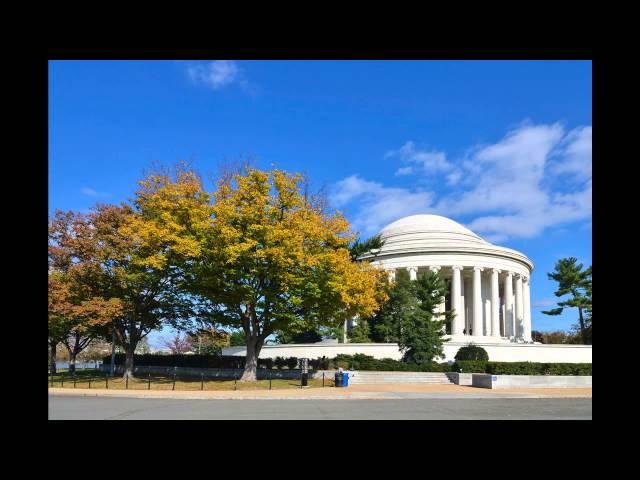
(519, 307)
(508, 302)
(477, 302)
(392, 275)
(413, 273)
(527, 309)
(441, 307)
(495, 303)
(466, 304)
(456, 293)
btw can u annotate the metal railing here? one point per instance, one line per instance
(140, 381)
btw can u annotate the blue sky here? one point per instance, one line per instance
(503, 147)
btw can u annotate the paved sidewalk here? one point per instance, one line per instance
(354, 392)
(484, 408)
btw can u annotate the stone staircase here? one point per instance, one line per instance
(366, 378)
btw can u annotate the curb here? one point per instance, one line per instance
(222, 395)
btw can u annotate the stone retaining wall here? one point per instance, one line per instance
(498, 352)
(481, 380)
(461, 378)
(485, 380)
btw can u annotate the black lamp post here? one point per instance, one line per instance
(304, 365)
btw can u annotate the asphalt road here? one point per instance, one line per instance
(105, 408)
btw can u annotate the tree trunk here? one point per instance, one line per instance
(583, 332)
(52, 356)
(254, 345)
(128, 362)
(72, 362)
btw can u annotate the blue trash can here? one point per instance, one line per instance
(346, 379)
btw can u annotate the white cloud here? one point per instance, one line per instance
(575, 155)
(404, 171)
(93, 193)
(507, 173)
(351, 187)
(507, 187)
(544, 303)
(507, 226)
(429, 161)
(216, 74)
(377, 205)
(454, 177)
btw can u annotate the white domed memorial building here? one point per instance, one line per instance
(489, 292)
(489, 286)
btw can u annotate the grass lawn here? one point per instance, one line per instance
(97, 379)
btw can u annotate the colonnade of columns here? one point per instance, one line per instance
(509, 316)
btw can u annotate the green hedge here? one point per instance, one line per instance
(197, 361)
(469, 366)
(521, 368)
(361, 362)
(530, 368)
(192, 361)
(367, 363)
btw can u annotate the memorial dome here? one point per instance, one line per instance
(489, 284)
(435, 234)
(428, 230)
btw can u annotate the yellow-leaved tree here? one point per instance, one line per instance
(268, 257)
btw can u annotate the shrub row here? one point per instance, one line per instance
(192, 361)
(214, 361)
(469, 366)
(361, 362)
(365, 362)
(521, 368)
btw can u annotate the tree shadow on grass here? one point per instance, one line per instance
(144, 381)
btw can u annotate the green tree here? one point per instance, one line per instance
(308, 336)
(472, 352)
(238, 339)
(371, 245)
(145, 254)
(587, 312)
(537, 336)
(334, 332)
(559, 337)
(410, 316)
(384, 324)
(208, 341)
(127, 259)
(576, 282)
(268, 258)
(361, 332)
(421, 335)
